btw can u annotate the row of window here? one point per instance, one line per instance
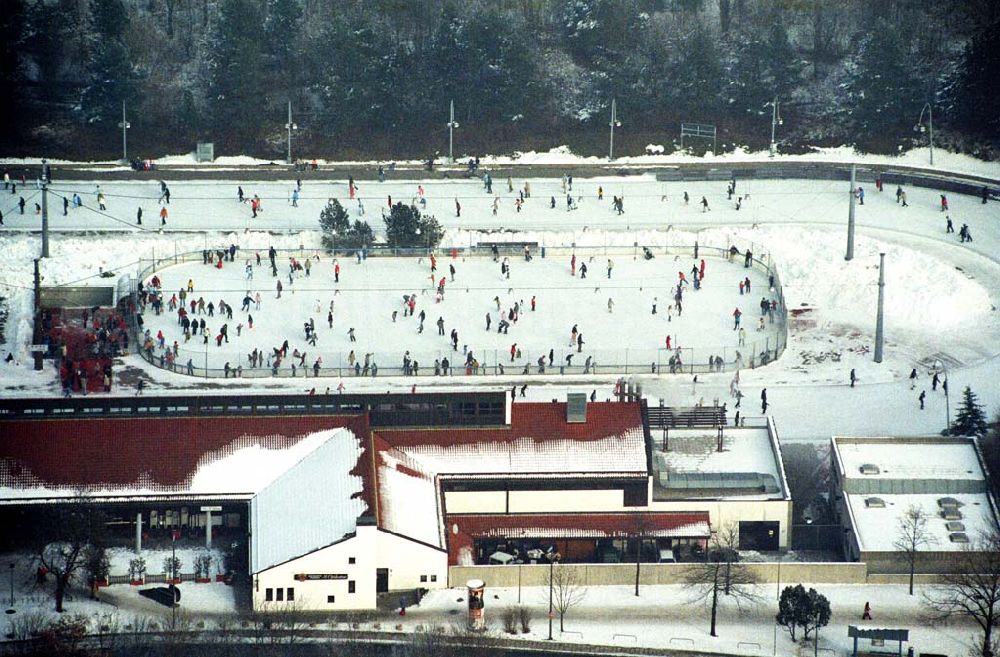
(288, 594)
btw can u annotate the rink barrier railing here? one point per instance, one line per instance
(760, 348)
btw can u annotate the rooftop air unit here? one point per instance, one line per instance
(958, 537)
(954, 526)
(576, 407)
(949, 513)
(874, 503)
(948, 503)
(869, 469)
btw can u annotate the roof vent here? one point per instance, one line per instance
(958, 537)
(874, 503)
(869, 469)
(954, 526)
(948, 503)
(576, 407)
(951, 514)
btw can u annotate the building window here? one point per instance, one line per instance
(330, 599)
(423, 578)
(281, 595)
(434, 578)
(290, 596)
(268, 595)
(350, 586)
(351, 560)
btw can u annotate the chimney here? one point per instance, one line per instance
(576, 407)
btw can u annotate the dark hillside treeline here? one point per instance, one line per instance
(373, 78)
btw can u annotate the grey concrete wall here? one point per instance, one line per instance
(624, 574)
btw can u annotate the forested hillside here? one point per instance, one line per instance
(373, 78)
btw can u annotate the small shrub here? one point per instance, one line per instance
(203, 565)
(525, 617)
(509, 619)
(172, 567)
(136, 569)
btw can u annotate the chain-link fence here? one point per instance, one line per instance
(196, 358)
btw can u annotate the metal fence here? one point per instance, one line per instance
(760, 348)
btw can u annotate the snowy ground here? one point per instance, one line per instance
(941, 296)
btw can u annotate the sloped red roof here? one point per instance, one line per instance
(581, 525)
(536, 421)
(163, 453)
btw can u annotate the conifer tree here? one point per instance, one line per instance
(970, 420)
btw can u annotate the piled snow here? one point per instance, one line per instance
(408, 499)
(899, 460)
(877, 529)
(625, 453)
(746, 450)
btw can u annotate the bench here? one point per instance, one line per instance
(687, 417)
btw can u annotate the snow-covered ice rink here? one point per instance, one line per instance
(941, 295)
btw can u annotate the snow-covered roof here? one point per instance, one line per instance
(582, 525)
(126, 459)
(538, 441)
(317, 496)
(877, 527)
(908, 458)
(408, 498)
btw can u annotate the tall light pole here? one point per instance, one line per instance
(615, 123)
(124, 125)
(290, 126)
(919, 127)
(452, 124)
(850, 217)
(775, 121)
(879, 337)
(552, 563)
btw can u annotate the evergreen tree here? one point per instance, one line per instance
(406, 227)
(281, 28)
(236, 70)
(334, 225)
(111, 78)
(976, 102)
(883, 89)
(798, 607)
(970, 420)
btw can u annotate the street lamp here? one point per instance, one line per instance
(124, 125)
(11, 609)
(552, 563)
(615, 123)
(775, 121)
(919, 127)
(289, 127)
(452, 124)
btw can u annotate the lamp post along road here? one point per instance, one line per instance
(124, 125)
(552, 564)
(615, 123)
(919, 127)
(290, 126)
(452, 124)
(850, 217)
(879, 337)
(775, 121)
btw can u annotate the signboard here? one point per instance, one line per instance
(39, 347)
(211, 508)
(302, 577)
(476, 589)
(204, 152)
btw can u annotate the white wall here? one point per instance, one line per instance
(722, 512)
(535, 501)
(371, 549)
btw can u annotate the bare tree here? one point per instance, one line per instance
(66, 539)
(641, 527)
(567, 592)
(913, 535)
(721, 574)
(974, 590)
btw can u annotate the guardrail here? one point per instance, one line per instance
(758, 351)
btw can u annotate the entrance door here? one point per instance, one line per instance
(381, 580)
(759, 535)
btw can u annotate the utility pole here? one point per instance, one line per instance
(850, 217)
(37, 331)
(930, 126)
(552, 564)
(290, 126)
(124, 125)
(615, 123)
(879, 337)
(452, 124)
(45, 218)
(775, 121)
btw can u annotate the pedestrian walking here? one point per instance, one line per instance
(913, 378)
(921, 397)
(763, 400)
(853, 377)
